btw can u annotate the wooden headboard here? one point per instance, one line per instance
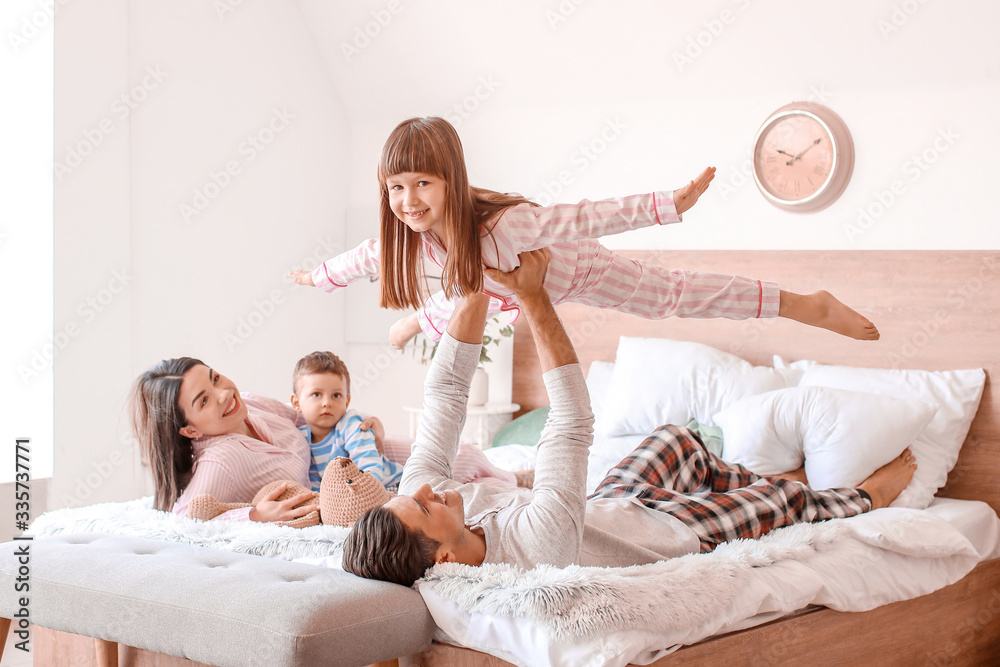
(935, 310)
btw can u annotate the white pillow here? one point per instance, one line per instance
(958, 393)
(598, 379)
(844, 436)
(660, 381)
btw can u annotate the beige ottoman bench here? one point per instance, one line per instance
(209, 605)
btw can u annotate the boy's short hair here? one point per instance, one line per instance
(320, 362)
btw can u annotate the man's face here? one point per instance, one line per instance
(440, 516)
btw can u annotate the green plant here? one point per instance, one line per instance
(492, 336)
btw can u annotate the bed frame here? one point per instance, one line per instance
(936, 310)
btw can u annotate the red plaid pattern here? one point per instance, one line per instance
(672, 472)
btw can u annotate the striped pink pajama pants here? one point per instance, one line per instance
(655, 292)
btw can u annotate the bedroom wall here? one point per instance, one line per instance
(565, 100)
(224, 168)
(559, 100)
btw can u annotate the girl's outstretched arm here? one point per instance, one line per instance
(361, 261)
(523, 228)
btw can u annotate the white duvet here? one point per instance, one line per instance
(880, 557)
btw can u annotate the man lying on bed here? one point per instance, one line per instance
(669, 497)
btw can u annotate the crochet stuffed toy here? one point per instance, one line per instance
(344, 495)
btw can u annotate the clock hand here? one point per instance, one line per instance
(807, 148)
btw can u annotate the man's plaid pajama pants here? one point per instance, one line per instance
(672, 472)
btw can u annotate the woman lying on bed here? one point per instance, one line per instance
(202, 436)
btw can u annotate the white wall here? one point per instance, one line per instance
(528, 83)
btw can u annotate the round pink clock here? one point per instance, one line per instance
(803, 157)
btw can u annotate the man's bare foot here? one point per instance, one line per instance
(403, 330)
(794, 475)
(822, 309)
(525, 478)
(686, 197)
(889, 481)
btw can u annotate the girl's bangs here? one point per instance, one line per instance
(410, 150)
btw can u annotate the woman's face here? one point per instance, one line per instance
(211, 403)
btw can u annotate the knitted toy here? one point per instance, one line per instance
(344, 495)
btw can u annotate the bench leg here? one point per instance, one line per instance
(107, 653)
(4, 629)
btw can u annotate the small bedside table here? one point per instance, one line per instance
(485, 420)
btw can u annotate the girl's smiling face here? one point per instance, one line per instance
(418, 200)
(211, 404)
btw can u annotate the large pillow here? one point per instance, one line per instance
(660, 381)
(598, 379)
(958, 392)
(844, 436)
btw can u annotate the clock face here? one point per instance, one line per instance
(803, 157)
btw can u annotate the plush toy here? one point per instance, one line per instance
(344, 495)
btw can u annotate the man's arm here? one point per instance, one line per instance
(550, 528)
(446, 394)
(526, 281)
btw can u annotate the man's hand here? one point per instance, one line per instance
(528, 279)
(269, 509)
(527, 282)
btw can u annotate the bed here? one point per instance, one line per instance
(936, 311)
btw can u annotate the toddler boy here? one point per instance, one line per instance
(322, 394)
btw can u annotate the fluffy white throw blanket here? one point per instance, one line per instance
(589, 601)
(136, 518)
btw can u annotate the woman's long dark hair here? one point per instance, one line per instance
(157, 419)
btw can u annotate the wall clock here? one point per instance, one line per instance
(803, 157)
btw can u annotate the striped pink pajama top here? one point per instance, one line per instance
(581, 269)
(234, 467)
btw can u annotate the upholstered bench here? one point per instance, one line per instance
(212, 606)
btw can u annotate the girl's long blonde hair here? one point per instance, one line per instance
(157, 418)
(431, 146)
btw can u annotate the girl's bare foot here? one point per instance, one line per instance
(403, 330)
(525, 478)
(822, 309)
(889, 481)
